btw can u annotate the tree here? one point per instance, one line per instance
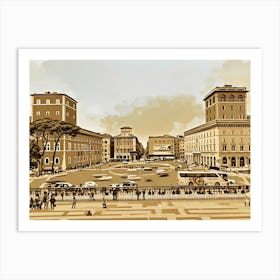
(34, 153)
(40, 131)
(59, 129)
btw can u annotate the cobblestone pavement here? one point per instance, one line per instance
(147, 210)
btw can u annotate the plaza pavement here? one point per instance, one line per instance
(147, 210)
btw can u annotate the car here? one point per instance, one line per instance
(64, 185)
(105, 178)
(90, 184)
(161, 171)
(129, 184)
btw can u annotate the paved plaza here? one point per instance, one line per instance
(147, 210)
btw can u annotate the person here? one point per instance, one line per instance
(89, 213)
(143, 195)
(104, 205)
(52, 200)
(62, 195)
(31, 203)
(74, 201)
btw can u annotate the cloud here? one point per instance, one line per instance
(158, 116)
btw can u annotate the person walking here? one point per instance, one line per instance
(52, 200)
(74, 202)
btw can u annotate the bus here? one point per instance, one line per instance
(203, 178)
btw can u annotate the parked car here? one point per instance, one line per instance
(89, 184)
(64, 185)
(129, 184)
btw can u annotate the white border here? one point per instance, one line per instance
(254, 55)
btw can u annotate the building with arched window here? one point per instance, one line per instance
(224, 139)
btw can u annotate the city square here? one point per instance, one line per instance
(200, 171)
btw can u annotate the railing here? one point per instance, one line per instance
(144, 193)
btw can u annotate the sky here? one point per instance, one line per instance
(153, 97)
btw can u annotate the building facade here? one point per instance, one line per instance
(127, 146)
(224, 139)
(179, 147)
(53, 105)
(85, 149)
(161, 147)
(107, 147)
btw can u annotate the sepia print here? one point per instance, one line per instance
(139, 140)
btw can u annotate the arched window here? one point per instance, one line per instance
(56, 160)
(231, 99)
(223, 98)
(213, 99)
(206, 104)
(224, 160)
(47, 160)
(242, 161)
(240, 98)
(233, 161)
(48, 147)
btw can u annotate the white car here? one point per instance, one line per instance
(89, 184)
(63, 185)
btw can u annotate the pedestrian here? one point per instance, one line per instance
(104, 205)
(62, 195)
(74, 201)
(89, 213)
(52, 200)
(143, 195)
(31, 203)
(138, 194)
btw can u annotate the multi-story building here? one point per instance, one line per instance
(127, 145)
(82, 150)
(224, 139)
(161, 147)
(179, 147)
(57, 106)
(107, 147)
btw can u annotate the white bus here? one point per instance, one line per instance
(202, 178)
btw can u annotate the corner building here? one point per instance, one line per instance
(82, 150)
(127, 145)
(224, 139)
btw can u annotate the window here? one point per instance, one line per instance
(233, 148)
(48, 147)
(38, 101)
(206, 104)
(56, 160)
(57, 101)
(74, 146)
(224, 160)
(38, 113)
(224, 148)
(223, 98)
(67, 102)
(231, 108)
(223, 116)
(58, 147)
(223, 107)
(231, 116)
(47, 161)
(231, 99)
(48, 113)
(57, 113)
(213, 99)
(69, 160)
(240, 98)
(249, 148)
(69, 146)
(240, 116)
(241, 148)
(48, 101)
